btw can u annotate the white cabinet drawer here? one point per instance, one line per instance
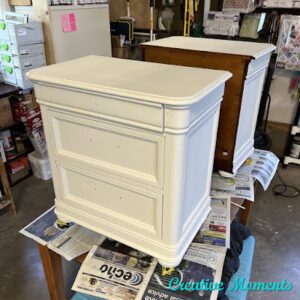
(133, 113)
(123, 151)
(109, 201)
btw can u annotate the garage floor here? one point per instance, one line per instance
(275, 223)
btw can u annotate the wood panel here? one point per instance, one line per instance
(231, 105)
(140, 10)
(6, 187)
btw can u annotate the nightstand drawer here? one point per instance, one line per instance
(123, 151)
(109, 201)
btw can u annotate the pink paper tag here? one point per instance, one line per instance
(68, 23)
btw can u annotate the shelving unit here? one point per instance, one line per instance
(295, 130)
(7, 200)
(15, 127)
(18, 155)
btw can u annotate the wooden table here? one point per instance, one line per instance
(52, 262)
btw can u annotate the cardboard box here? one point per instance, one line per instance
(21, 105)
(20, 175)
(18, 165)
(6, 118)
(20, 2)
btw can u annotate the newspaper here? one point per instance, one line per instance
(262, 166)
(75, 241)
(216, 228)
(240, 186)
(114, 271)
(201, 263)
(70, 242)
(44, 229)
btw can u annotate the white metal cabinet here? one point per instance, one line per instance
(91, 36)
(131, 146)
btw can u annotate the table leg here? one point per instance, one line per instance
(245, 213)
(53, 272)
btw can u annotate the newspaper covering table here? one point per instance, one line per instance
(198, 274)
(114, 271)
(216, 228)
(69, 241)
(240, 186)
(261, 165)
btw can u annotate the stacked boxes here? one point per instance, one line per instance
(21, 49)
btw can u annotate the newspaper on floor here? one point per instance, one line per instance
(114, 271)
(69, 241)
(261, 165)
(198, 276)
(240, 186)
(216, 229)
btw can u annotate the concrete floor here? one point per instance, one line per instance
(21, 271)
(275, 223)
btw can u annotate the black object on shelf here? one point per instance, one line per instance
(292, 136)
(7, 90)
(261, 138)
(18, 155)
(9, 126)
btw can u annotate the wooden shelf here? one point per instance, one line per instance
(7, 89)
(7, 199)
(27, 151)
(4, 202)
(8, 127)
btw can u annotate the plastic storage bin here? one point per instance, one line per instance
(40, 166)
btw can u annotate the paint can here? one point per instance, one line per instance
(295, 151)
(8, 144)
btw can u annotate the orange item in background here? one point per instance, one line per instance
(18, 165)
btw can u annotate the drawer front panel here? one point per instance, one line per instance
(148, 116)
(129, 153)
(111, 201)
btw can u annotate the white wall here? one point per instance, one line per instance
(283, 107)
(4, 6)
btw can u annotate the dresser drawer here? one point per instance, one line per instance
(131, 153)
(145, 115)
(109, 201)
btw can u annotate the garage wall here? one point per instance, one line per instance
(283, 107)
(140, 10)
